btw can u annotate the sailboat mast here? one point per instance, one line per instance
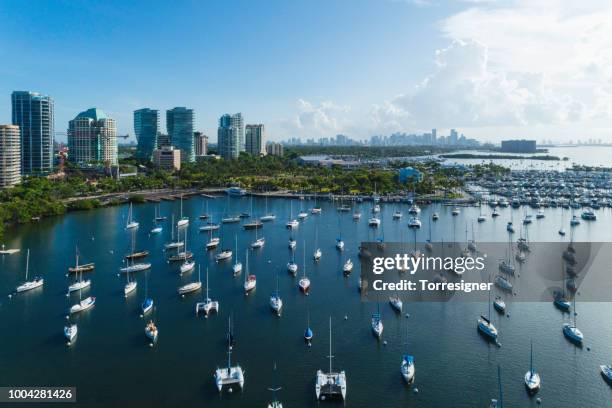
(501, 395)
(330, 347)
(27, 264)
(531, 359)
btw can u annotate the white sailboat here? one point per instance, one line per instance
(317, 253)
(80, 283)
(191, 287)
(407, 367)
(83, 304)
(331, 383)
(237, 267)
(70, 332)
(268, 216)
(183, 221)
(147, 304)
(347, 268)
(292, 267)
(130, 221)
(188, 264)
(377, 324)
(292, 223)
(485, 326)
(229, 375)
(250, 280)
(151, 331)
(37, 282)
(174, 244)
(259, 242)
(396, 303)
(208, 305)
(532, 378)
(276, 303)
(304, 282)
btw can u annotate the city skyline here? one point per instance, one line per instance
(353, 70)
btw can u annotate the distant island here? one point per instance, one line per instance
(497, 156)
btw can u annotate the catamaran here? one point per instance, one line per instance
(250, 280)
(332, 383)
(130, 221)
(276, 303)
(304, 282)
(208, 305)
(532, 378)
(183, 221)
(37, 282)
(229, 375)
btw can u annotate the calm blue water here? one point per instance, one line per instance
(112, 364)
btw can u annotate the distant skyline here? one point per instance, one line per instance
(537, 69)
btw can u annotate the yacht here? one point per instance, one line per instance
(507, 267)
(532, 378)
(292, 243)
(223, 255)
(37, 282)
(135, 267)
(606, 372)
(435, 216)
(571, 332)
(250, 281)
(210, 226)
(187, 266)
(499, 304)
(377, 324)
(302, 215)
(397, 215)
(376, 209)
(237, 267)
(213, 243)
(588, 215)
(503, 283)
(147, 306)
(208, 305)
(396, 303)
(407, 368)
(230, 375)
(292, 267)
(414, 210)
(348, 267)
(156, 230)
(183, 221)
(374, 221)
(292, 223)
(130, 287)
(151, 331)
(83, 305)
(259, 243)
(317, 254)
(455, 211)
(357, 215)
(174, 244)
(276, 303)
(70, 332)
(414, 223)
(268, 217)
(130, 221)
(232, 219)
(304, 282)
(332, 383)
(80, 283)
(191, 287)
(485, 326)
(339, 244)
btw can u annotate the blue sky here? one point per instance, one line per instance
(314, 68)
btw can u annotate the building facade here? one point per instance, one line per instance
(167, 158)
(200, 141)
(274, 149)
(163, 139)
(230, 136)
(179, 122)
(146, 128)
(34, 114)
(255, 139)
(518, 146)
(10, 156)
(92, 139)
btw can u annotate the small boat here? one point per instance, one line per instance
(562, 232)
(156, 230)
(208, 305)
(494, 213)
(339, 244)
(414, 223)
(83, 305)
(259, 243)
(606, 372)
(574, 221)
(147, 306)
(507, 267)
(396, 303)
(527, 220)
(510, 227)
(158, 216)
(235, 191)
(435, 216)
(304, 283)
(223, 255)
(230, 375)
(588, 215)
(532, 378)
(131, 224)
(503, 283)
(540, 214)
(292, 243)
(70, 332)
(317, 254)
(151, 331)
(292, 268)
(37, 282)
(347, 268)
(332, 383)
(130, 287)
(377, 324)
(407, 368)
(187, 266)
(455, 211)
(210, 226)
(481, 218)
(499, 305)
(137, 255)
(230, 219)
(376, 209)
(292, 224)
(276, 303)
(357, 215)
(397, 215)
(302, 215)
(561, 302)
(374, 222)
(213, 243)
(250, 280)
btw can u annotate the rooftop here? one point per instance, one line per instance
(93, 113)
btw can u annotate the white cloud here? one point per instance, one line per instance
(314, 120)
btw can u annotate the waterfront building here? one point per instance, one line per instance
(10, 156)
(92, 138)
(230, 136)
(255, 136)
(33, 113)
(200, 141)
(179, 122)
(410, 174)
(167, 158)
(518, 146)
(274, 149)
(146, 128)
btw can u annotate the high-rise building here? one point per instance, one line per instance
(453, 138)
(10, 156)
(33, 113)
(434, 137)
(146, 128)
(163, 139)
(274, 149)
(230, 136)
(255, 139)
(92, 138)
(179, 122)
(518, 146)
(167, 158)
(200, 141)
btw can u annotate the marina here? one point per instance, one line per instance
(262, 337)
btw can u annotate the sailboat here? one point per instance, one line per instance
(204, 215)
(37, 282)
(188, 263)
(396, 303)
(317, 253)
(347, 268)
(532, 378)
(151, 331)
(407, 367)
(80, 283)
(83, 304)
(130, 286)
(229, 375)
(133, 266)
(70, 332)
(191, 287)
(268, 216)
(174, 244)
(560, 300)
(302, 215)
(561, 229)
(292, 223)
(331, 383)
(147, 304)
(157, 229)
(308, 334)
(276, 303)
(130, 221)
(250, 280)
(481, 216)
(506, 266)
(304, 282)
(208, 305)
(485, 326)
(259, 242)
(377, 324)
(317, 208)
(428, 244)
(292, 267)
(158, 216)
(237, 267)
(183, 221)
(571, 332)
(276, 403)
(498, 403)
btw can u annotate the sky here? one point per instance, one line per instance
(539, 69)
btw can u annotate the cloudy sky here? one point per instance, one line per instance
(492, 69)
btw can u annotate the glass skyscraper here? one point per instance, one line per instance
(33, 113)
(230, 136)
(92, 138)
(146, 128)
(179, 122)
